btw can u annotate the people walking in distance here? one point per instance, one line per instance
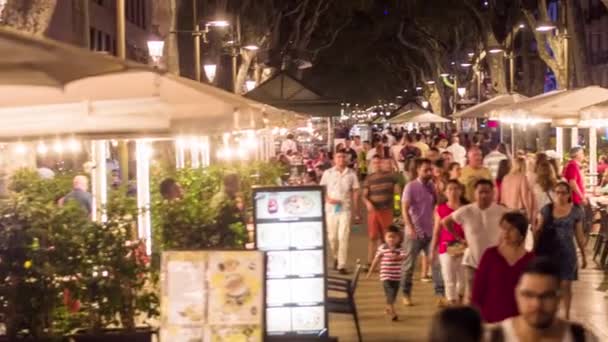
(418, 203)
(379, 191)
(390, 256)
(472, 172)
(492, 160)
(499, 270)
(342, 203)
(538, 295)
(480, 222)
(516, 192)
(448, 247)
(504, 167)
(458, 151)
(558, 225)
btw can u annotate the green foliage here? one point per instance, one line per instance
(60, 271)
(192, 222)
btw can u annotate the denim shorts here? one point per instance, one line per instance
(391, 288)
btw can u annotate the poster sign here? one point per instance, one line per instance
(290, 227)
(212, 296)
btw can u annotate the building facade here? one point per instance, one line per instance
(596, 31)
(93, 23)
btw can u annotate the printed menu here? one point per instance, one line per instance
(290, 227)
(212, 296)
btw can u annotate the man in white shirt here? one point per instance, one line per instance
(492, 160)
(341, 201)
(458, 151)
(538, 298)
(480, 222)
(289, 144)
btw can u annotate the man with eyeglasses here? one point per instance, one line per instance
(538, 296)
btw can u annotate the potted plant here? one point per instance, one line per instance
(117, 284)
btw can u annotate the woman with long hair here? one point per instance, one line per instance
(444, 243)
(516, 192)
(504, 166)
(546, 180)
(500, 269)
(559, 224)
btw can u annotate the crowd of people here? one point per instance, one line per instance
(481, 220)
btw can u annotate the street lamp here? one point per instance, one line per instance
(210, 71)
(545, 26)
(465, 64)
(462, 91)
(250, 85)
(495, 49)
(251, 47)
(424, 104)
(156, 47)
(444, 74)
(430, 82)
(217, 23)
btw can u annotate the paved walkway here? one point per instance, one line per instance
(590, 306)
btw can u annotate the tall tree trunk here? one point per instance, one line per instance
(32, 16)
(496, 63)
(241, 76)
(164, 16)
(576, 28)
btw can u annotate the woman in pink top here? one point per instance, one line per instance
(516, 192)
(451, 263)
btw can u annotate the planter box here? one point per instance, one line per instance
(140, 335)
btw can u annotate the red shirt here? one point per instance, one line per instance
(445, 237)
(572, 171)
(494, 286)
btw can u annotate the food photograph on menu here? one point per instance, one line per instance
(288, 204)
(212, 296)
(235, 289)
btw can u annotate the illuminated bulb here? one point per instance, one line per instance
(73, 145)
(20, 148)
(104, 273)
(228, 153)
(251, 47)
(57, 147)
(41, 148)
(430, 82)
(114, 143)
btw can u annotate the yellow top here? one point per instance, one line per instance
(469, 176)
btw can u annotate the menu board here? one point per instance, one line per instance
(212, 296)
(290, 227)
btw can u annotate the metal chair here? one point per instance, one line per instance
(345, 304)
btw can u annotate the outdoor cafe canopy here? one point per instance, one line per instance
(417, 116)
(483, 110)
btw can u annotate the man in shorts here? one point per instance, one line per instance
(379, 192)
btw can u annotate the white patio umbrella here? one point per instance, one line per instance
(483, 110)
(30, 60)
(403, 117)
(428, 117)
(561, 107)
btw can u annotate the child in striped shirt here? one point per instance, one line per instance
(390, 256)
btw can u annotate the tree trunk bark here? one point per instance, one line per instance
(241, 76)
(32, 16)
(576, 28)
(164, 16)
(496, 63)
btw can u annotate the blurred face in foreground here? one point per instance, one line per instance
(425, 172)
(385, 165)
(538, 299)
(475, 157)
(340, 160)
(484, 194)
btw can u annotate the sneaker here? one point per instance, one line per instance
(426, 279)
(441, 302)
(343, 271)
(407, 301)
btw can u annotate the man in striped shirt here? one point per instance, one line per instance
(379, 192)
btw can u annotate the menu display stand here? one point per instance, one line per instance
(290, 228)
(212, 296)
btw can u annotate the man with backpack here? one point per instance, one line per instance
(538, 296)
